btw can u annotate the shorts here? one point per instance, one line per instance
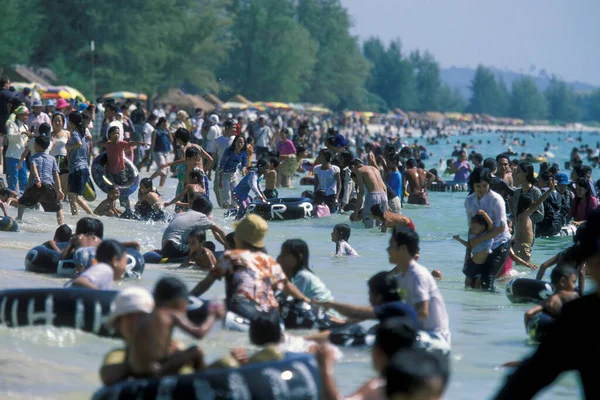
(523, 250)
(371, 199)
(472, 270)
(63, 164)
(271, 193)
(420, 198)
(45, 195)
(118, 179)
(171, 249)
(160, 158)
(77, 180)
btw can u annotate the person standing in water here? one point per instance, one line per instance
(368, 178)
(415, 180)
(78, 147)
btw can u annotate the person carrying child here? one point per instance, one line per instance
(321, 208)
(199, 255)
(390, 219)
(149, 204)
(108, 206)
(192, 190)
(44, 183)
(147, 354)
(340, 236)
(481, 223)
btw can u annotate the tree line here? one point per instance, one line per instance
(271, 50)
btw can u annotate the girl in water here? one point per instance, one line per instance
(149, 205)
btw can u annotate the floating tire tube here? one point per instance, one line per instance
(282, 209)
(522, 290)
(76, 308)
(307, 181)
(295, 377)
(7, 224)
(538, 326)
(449, 186)
(89, 192)
(298, 314)
(43, 260)
(568, 230)
(103, 181)
(154, 257)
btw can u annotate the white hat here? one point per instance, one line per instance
(131, 300)
(214, 118)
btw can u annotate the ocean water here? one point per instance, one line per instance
(487, 330)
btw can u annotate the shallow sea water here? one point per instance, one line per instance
(487, 331)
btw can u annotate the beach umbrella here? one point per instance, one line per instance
(126, 95)
(75, 94)
(278, 105)
(258, 106)
(232, 105)
(61, 92)
(22, 85)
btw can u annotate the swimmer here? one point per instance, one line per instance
(390, 219)
(481, 223)
(147, 354)
(564, 279)
(199, 256)
(111, 265)
(340, 236)
(108, 207)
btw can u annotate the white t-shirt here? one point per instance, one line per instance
(100, 274)
(213, 133)
(327, 181)
(418, 286)
(263, 138)
(222, 143)
(148, 129)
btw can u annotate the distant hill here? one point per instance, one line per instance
(461, 78)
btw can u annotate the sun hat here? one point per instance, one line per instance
(214, 118)
(36, 103)
(62, 103)
(252, 230)
(51, 103)
(22, 109)
(130, 300)
(562, 179)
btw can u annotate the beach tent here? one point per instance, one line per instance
(180, 99)
(231, 105)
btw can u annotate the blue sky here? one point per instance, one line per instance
(560, 36)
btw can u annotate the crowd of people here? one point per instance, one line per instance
(48, 151)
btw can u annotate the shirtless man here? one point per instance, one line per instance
(182, 136)
(416, 179)
(368, 177)
(504, 171)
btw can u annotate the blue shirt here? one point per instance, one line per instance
(395, 182)
(233, 161)
(79, 157)
(248, 183)
(162, 142)
(46, 167)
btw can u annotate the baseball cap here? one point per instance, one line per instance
(340, 140)
(395, 309)
(561, 179)
(130, 300)
(252, 229)
(82, 107)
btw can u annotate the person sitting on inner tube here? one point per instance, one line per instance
(385, 303)
(563, 279)
(393, 335)
(112, 264)
(251, 276)
(63, 234)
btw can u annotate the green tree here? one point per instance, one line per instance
(340, 70)
(487, 95)
(273, 55)
(450, 99)
(561, 101)
(526, 101)
(428, 79)
(593, 106)
(502, 104)
(17, 43)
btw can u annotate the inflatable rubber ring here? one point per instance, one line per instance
(282, 209)
(7, 224)
(103, 182)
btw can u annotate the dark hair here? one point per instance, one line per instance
(199, 234)
(300, 149)
(262, 163)
(561, 271)
(477, 156)
(412, 370)
(343, 230)
(327, 155)
(63, 234)
(146, 182)
(385, 284)
(43, 142)
(234, 142)
(61, 115)
(356, 162)
(585, 170)
(490, 164)
(411, 163)
(479, 219)
(376, 210)
(545, 175)
(210, 246)
(4, 80)
(320, 196)
(112, 130)
(502, 156)
(480, 174)
(109, 249)
(345, 157)
(396, 333)
(44, 129)
(525, 201)
(203, 205)
(406, 236)
(197, 175)
(230, 240)
(89, 226)
(152, 117)
(299, 249)
(111, 188)
(169, 288)
(161, 120)
(529, 171)
(265, 328)
(183, 135)
(77, 119)
(274, 161)
(191, 152)
(110, 105)
(584, 183)
(228, 123)
(434, 172)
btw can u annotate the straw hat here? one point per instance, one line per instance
(252, 229)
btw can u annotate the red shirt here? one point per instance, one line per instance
(238, 129)
(115, 156)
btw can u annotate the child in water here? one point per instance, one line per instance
(271, 179)
(147, 354)
(390, 219)
(108, 206)
(192, 190)
(199, 255)
(321, 209)
(149, 204)
(563, 278)
(480, 224)
(63, 234)
(340, 236)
